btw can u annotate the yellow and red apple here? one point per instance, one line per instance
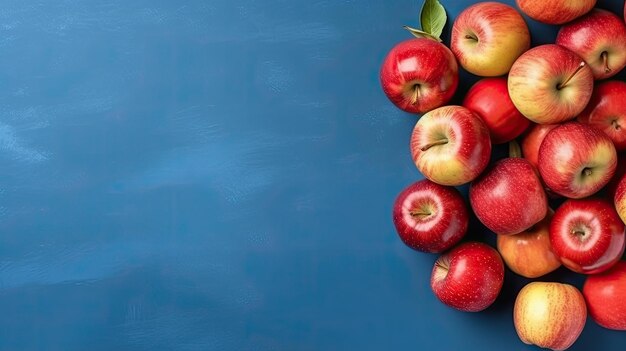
(488, 37)
(577, 160)
(550, 84)
(549, 315)
(555, 11)
(450, 145)
(529, 253)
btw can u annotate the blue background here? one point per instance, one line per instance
(218, 175)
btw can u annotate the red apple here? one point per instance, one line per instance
(550, 84)
(599, 37)
(576, 160)
(549, 315)
(605, 294)
(620, 199)
(430, 217)
(532, 141)
(488, 37)
(555, 11)
(489, 99)
(419, 75)
(468, 277)
(509, 197)
(607, 111)
(450, 145)
(529, 253)
(587, 235)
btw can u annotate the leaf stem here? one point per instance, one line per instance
(421, 34)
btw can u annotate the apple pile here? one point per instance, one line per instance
(559, 199)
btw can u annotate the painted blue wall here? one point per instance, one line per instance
(217, 175)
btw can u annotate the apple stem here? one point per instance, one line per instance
(514, 149)
(616, 125)
(562, 85)
(578, 232)
(418, 213)
(471, 37)
(416, 94)
(605, 60)
(434, 143)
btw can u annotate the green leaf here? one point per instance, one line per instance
(433, 18)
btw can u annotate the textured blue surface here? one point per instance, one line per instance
(217, 175)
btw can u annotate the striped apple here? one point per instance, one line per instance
(450, 145)
(550, 84)
(555, 11)
(549, 315)
(488, 37)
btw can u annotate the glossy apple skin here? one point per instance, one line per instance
(549, 315)
(620, 199)
(488, 37)
(422, 63)
(489, 99)
(534, 79)
(532, 141)
(430, 217)
(469, 277)
(587, 235)
(605, 294)
(529, 253)
(607, 111)
(557, 11)
(592, 34)
(576, 160)
(509, 197)
(466, 152)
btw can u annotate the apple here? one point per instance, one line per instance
(509, 197)
(488, 37)
(549, 315)
(587, 235)
(555, 11)
(489, 99)
(599, 37)
(620, 199)
(607, 111)
(532, 141)
(529, 253)
(430, 217)
(450, 145)
(605, 294)
(576, 160)
(419, 75)
(468, 277)
(550, 84)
